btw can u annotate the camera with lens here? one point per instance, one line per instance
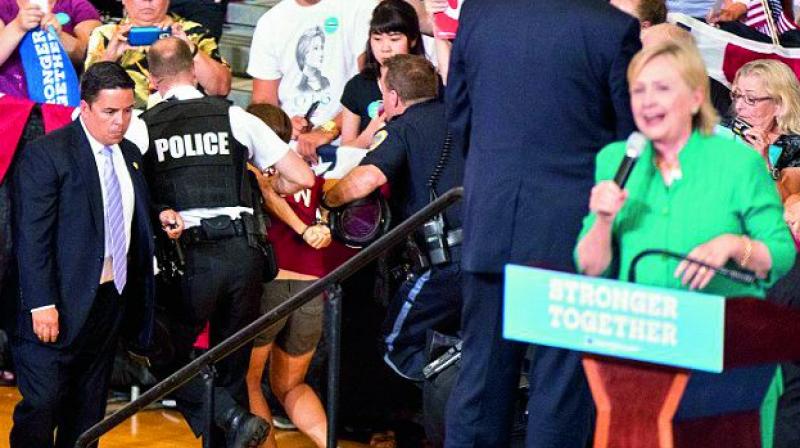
(434, 236)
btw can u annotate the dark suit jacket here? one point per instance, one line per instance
(59, 228)
(535, 89)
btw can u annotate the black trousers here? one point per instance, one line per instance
(221, 285)
(66, 389)
(424, 303)
(480, 410)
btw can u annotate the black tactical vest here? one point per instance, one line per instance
(193, 161)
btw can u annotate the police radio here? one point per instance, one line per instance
(434, 231)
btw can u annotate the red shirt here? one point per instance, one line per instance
(291, 251)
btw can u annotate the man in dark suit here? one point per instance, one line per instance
(535, 89)
(84, 248)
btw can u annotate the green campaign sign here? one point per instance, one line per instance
(608, 317)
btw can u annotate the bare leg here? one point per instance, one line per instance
(258, 404)
(287, 377)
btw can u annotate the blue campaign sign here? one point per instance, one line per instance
(49, 73)
(608, 317)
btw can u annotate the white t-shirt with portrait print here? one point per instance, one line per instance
(313, 49)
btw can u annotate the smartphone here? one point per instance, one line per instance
(310, 114)
(740, 127)
(146, 35)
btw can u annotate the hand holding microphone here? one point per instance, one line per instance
(608, 197)
(607, 200)
(633, 149)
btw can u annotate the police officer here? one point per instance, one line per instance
(198, 149)
(411, 154)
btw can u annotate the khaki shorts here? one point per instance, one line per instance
(298, 333)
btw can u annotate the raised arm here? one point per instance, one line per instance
(11, 33)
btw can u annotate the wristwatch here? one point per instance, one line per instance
(330, 126)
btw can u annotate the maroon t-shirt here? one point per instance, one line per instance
(12, 78)
(292, 252)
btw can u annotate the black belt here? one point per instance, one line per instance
(197, 234)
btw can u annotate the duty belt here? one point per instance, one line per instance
(197, 234)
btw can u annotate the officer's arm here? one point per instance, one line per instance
(359, 183)
(293, 174)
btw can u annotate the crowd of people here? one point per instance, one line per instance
(366, 102)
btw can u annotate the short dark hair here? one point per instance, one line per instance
(104, 76)
(653, 11)
(168, 57)
(392, 16)
(412, 77)
(274, 117)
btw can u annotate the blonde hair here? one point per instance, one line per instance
(782, 86)
(691, 69)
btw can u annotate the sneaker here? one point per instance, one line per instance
(245, 430)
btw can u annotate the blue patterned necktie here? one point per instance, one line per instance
(115, 222)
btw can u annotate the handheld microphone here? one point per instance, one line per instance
(633, 149)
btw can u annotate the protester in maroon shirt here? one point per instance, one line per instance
(305, 252)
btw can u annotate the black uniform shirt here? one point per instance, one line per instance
(408, 149)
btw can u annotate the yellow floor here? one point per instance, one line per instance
(148, 429)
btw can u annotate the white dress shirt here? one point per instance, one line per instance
(126, 190)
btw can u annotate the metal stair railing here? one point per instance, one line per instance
(330, 284)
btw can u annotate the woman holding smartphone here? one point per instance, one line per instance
(766, 107)
(110, 43)
(766, 112)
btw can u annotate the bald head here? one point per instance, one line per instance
(170, 59)
(666, 32)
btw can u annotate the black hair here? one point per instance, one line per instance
(103, 76)
(392, 16)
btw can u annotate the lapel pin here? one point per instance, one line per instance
(135, 166)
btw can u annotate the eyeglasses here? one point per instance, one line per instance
(749, 100)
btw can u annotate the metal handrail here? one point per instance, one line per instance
(248, 333)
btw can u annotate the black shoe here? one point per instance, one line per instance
(245, 430)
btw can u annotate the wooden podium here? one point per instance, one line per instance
(647, 405)
(698, 379)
